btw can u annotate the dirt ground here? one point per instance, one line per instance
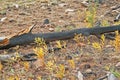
(63, 15)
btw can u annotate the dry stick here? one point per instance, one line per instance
(18, 56)
(103, 77)
(27, 38)
(112, 9)
(21, 56)
(117, 18)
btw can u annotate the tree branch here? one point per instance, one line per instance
(26, 38)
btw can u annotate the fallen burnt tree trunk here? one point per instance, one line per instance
(27, 38)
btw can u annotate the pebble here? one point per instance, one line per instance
(16, 5)
(118, 64)
(69, 10)
(88, 71)
(51, 29)
(2, 19)
(62, 4)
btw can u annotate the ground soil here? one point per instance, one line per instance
(63, 15)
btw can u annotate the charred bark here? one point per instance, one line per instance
(29, 37)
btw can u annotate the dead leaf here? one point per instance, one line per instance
(81, 44)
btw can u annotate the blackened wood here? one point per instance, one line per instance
(30, 38)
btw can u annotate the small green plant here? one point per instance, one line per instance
(116, 73)
(60, 71)
(91, 15)
(116, 42)
(105, 23)
(79, 38)
(58, 28)
(112, 70)
(41, 47)
(3, 12)
(117, 23)
(50, 65)
(40, 41)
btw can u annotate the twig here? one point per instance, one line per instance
(109, 11)
(102, 78)
(30, 28)
(117, 18)
(17, 56)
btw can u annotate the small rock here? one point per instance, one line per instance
(118, 64)
(62, 4)
(80, 76)
(46, 21)
(2, 38)
(111, 77)
(85, 3)
(108, 46)
(51, 29)
(88, 71)
(16, 6)
(2, 19)
(43, 7)
(69, 10)
(61, 21)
